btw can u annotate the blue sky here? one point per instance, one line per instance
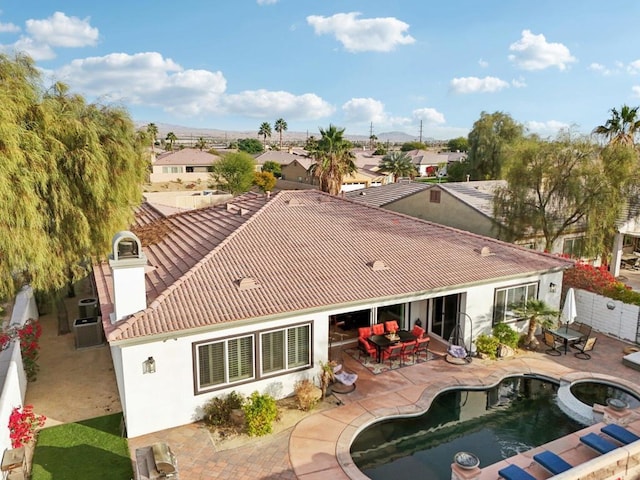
(231, 65)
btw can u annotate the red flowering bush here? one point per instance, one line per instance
(28, 335)
(599, 280)
(23, 424)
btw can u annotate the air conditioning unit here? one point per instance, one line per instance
(88, 307)
(88, 332)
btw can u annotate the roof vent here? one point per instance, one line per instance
(243, 211)
(486, 252)
(247, 283)
(378, 265)
(295, 202)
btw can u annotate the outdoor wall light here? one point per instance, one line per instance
(149, 365)
(552, 287)
(611, 305)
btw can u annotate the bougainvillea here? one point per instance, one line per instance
(599, 280)
(23, 424)
(28, 335)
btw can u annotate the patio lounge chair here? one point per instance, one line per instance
(632, 360)
(620, 434)
(597, 443)
(552, 462)
(514, 472)
(585, 346)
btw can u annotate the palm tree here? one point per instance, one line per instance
(152, 131)
(201, 143)
(399, 164)
(538, 312)
(280, 126)
(333, 160)
(171, 138)
(372, 141)
(622, 127)
(265, 131)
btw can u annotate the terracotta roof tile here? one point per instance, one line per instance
(310, 256)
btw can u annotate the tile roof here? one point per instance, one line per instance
(304, 250)
(385, 194)
(186, 156)
(478, 195)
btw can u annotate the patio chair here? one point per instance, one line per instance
(552, 462)
(393, 352)
(585, 330)
(391, 326)
(422, 346)
(514, 472)
(417, 331)
(551, 341)
(409, 350)
(364, 332)
(585, 346)
(365, 347)
(378, 329)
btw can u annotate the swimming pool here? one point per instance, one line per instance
(516, 415)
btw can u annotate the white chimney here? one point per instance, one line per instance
(127, 263)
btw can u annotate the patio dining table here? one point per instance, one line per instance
(568, 335)
(383, 341)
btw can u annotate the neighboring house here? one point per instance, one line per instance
(245, 296)
(280, 157)
(464, 205)
(298, 171)
(626, 245)
(428, 163)
(187, 164)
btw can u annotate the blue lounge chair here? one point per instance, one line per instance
(514, 472)
(620, 434)
(552, 462)
(599, 444)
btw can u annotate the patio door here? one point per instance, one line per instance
(444, 315)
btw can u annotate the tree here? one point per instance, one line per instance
(372, 141)
(152, 131)
(274, 167)
(71, 174)
(250, 145)
(171, 138)
(398, 164)
(333, 160)
(460, 144)
(280, 126)
(538, 312)
(201, 143)
(265, 181)
(458, 171)
(265, 131)
(408, 146)
(236, 170)
(555, 186)
(622, 127)
(488, 141)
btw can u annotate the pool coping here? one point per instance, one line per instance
(319, 446)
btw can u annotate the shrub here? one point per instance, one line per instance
(306, 394)
(599, 280)
(23, 424)
(506, 335)
(488, 344)
(260, 411)
(217, 411)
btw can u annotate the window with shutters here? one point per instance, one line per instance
(285, 349)
(508, 298)
(225, 362)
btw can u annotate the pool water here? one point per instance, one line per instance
(515, 416)
(590, 393)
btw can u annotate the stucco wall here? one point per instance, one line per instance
(620, 322)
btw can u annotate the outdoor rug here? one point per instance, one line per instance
(376, 368)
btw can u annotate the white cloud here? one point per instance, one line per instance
(61, 31)
(533, 52)
(9, 28)
(145, 79)
(265, 103)
(636, 91)
(364, 110)
(597, 67)
(548, 128)
(267, 2)
(478, 85)
(518, 83)
(634, 67)
(36, 50)
(483, 63)
(429, 115)
(362, 35)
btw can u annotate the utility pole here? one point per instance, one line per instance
(420, 131)
(371, 136)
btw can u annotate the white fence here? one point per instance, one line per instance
(608, 316)
(12, 376)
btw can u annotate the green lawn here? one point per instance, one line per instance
(90, 449)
